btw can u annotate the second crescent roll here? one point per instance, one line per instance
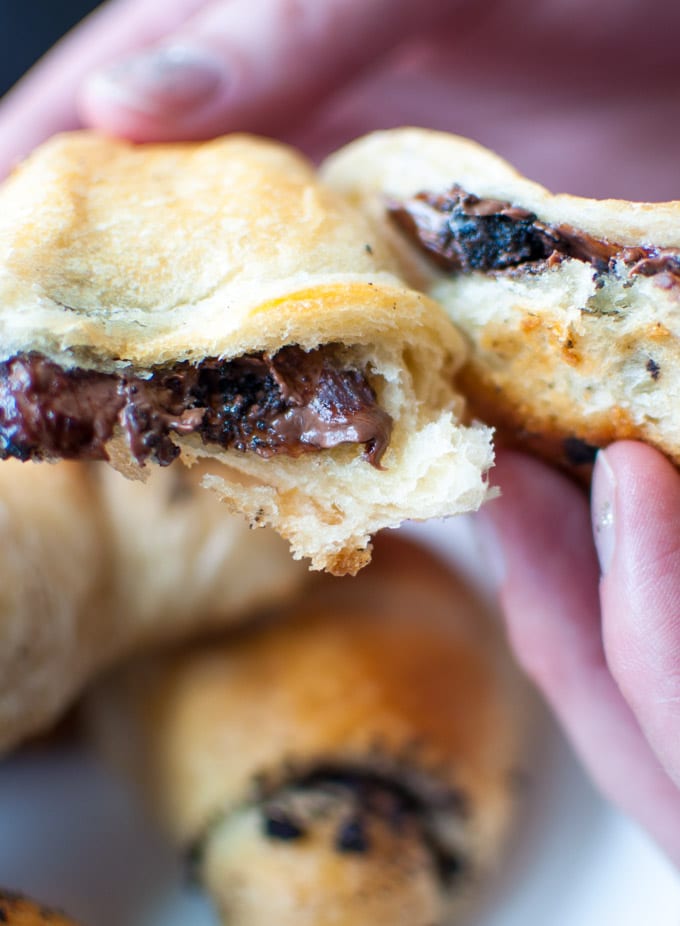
(571, 305)
(95, 567)
(214, 300)
(350, 763)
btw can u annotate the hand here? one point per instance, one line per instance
(580, 96)
(604, 650)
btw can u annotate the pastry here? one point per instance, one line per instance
(350, 761)
(215, 301)
(571, 306)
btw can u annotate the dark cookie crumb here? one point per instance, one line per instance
(653, 369)
(578, 452)
(279, 824)
(352, 837)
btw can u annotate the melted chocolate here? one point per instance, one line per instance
(463, 233)
(372, 797)
(292, 402)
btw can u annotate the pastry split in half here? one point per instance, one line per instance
(215, 301)
(571, 306)
(353, 761)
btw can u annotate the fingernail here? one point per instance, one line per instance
(175, 78)
(492, 559)
(603, 510)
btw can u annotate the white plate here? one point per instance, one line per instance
(73, 837)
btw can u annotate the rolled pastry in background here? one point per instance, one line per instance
(16, 910)
(95, 566)
(183, 563)
(570, 305)
(349, 762)
(214, 300)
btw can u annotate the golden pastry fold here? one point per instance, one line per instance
(349, 762)
(571, 306)
(95, 567)
(214, 300)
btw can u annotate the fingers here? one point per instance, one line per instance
(636, 510)
(549, 593)
(207, 66)
(44, 102)
(239, 64)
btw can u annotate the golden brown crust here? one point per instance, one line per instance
(119, 253)
(566, 357)
(552, 437)
(16, 910)
(398, 674)
(123, 257)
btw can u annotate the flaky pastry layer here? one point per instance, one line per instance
(569, 352)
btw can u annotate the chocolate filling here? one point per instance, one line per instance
(463, 233)
(371, 796)
(291, 402)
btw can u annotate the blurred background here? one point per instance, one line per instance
(30, 28)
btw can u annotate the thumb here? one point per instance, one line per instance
(247, 65)
(44, 100)
(636, 512)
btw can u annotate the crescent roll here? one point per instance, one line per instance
(16, 910)
(215, 301)
(571, 306)
(349, 763)
(95, 567)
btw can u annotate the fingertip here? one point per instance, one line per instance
(640, 591)
(171, 92)
(643, 497)
(603, 500)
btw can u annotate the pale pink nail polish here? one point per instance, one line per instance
(603, 510)
(174, 79)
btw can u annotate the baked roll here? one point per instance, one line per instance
(95, 567)
(214, 301)
(570, 305)
(16, 910)
(349, 762)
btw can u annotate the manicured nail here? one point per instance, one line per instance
(603, 510)
(174, 79)
(492, 559)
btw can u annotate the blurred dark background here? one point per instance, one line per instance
(30, 28)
